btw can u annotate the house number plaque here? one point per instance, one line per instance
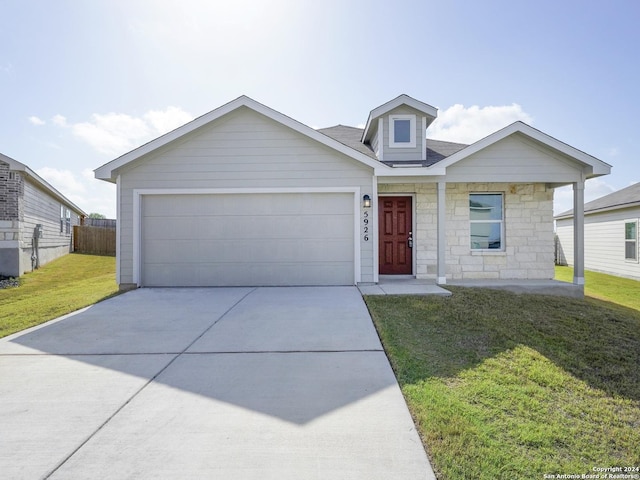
(365, 226)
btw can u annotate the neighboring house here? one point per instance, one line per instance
(36, 221)
(245, 195)
(610, 231)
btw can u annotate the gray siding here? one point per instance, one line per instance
(395, 154)
(34, 206)
(604, 244)
(240, 150)
(513, 159)
(375, 144)
(40, 208)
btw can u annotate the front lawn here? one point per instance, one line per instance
(59, 287)
(506, 386)
(622, 291)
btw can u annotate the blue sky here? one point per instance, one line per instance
(82, 82)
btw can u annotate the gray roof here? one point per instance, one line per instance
(627, 197)
(350, 136)
(438, 150)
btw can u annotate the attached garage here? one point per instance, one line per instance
(243, 196)
(255, 238)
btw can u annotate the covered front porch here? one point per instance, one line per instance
(437, 226)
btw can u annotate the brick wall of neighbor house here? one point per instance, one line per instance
(529, 244)
(11, 190)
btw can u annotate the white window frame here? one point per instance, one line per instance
(67, 221)
(412, 132)
(634, 240)
(501, 222)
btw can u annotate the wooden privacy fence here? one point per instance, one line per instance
(94, 240)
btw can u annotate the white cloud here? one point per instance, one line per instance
(163, 121)
(117, 133)
(113, 133)
(91, 195)
(59, 120)
(468, 125)
(36, 121)
(593, 189)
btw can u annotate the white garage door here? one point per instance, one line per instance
(247, 239)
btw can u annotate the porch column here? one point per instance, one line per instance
(442, 257)
(578, 233)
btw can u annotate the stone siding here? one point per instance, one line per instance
(529, 244)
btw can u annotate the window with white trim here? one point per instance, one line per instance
(486, 215)
(631, 240)
(402, 131)
(62, 219)
(67, 221)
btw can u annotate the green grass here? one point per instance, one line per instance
(59, 287)
(622, 291)
(506, 386)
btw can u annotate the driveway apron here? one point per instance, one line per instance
(220, 383)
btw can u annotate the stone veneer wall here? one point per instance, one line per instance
(529, 248)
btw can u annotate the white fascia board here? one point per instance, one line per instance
(598, 167)
(395, 103)
(107, 171)
(432, 171)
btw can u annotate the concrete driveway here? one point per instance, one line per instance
(215, 383)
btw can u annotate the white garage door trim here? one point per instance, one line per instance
(137, 215)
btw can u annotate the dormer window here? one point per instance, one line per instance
(402, 131)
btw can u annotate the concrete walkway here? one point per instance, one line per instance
(248, 383)
(403, 285)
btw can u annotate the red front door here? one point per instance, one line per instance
(394, 216)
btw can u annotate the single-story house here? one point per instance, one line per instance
(611, 242)
(36, 220)
(245, 195)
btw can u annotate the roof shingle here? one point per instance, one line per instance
(350, 136)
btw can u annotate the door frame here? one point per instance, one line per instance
(414, 250)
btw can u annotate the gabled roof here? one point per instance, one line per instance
(41, 182)
(109, 170)
(593, 166)
(430, 112)
(625, 198)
